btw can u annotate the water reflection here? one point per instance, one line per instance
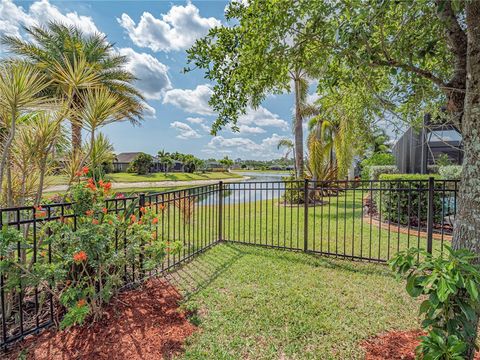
(249, 189)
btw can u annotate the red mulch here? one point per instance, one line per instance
(394, 345)
(144, 323)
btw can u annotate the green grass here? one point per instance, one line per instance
(254, 303)
(127, 177)
(335, 227)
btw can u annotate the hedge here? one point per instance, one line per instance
(450, 172)
(377, 170)
(394, 204)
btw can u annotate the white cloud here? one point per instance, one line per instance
(195, 120)
(152, 75)
(193, 101)
(13, 17)
(266, 149)
(176, 30)
(149, 111)
(245, 129)
(186, 132)
(262, 117)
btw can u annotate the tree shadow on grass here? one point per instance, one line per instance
(198, 274)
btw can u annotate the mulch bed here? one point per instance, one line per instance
(145, 323)
(394, 345)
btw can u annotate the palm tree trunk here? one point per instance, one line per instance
(298, 131)
(76, 136)
(467, 221)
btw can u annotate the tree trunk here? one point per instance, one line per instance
(298, 131)
(76, 136)
(467, 223)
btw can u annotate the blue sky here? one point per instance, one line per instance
(155, 35)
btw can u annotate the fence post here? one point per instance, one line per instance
(430, 210)
(305, 215)
(141, 204)
(220, 211)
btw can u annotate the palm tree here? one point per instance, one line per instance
(75, 62)
(100, 107)
(21, 86)
(303, 110)
(321, 163)
(166, 160)
(290, 149)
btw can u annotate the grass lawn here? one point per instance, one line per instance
(337, 227)
(255, 303)
(127, 177)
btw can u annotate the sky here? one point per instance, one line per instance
(155, 35)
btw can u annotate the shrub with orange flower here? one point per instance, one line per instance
(133, 218)
(85, 170)
(81, 302)
(80, 257)
(155, 221)
(89, 212)
(105, 210)
(95, 222)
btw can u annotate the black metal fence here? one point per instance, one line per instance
(364, 220)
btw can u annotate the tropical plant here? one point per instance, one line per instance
(141, 164)
(75, 62)
(85, 269)
(450, 289)
(21, 90)
(101, 156)
(226, 162)
(100, 107)
(290, 149)
(165, 160)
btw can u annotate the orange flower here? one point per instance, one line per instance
(81, 303)
(140, 222)
(80, 257)
(155, 221)
(43, 254)
(133, 218)
(107, 186)
(95, 222)
(104, 210)
(78, 174)
(161, 206)
(85, 170)
(89, 212)
(110, 222)
(143, 210)
(40, 214)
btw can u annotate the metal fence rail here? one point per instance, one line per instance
(366, 220)
(188, 216)
(362, 220)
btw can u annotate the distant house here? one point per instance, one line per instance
(416, 150)
(276, 167)
(214, 166)
(123, 160)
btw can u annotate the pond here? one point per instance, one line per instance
(257, 186)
